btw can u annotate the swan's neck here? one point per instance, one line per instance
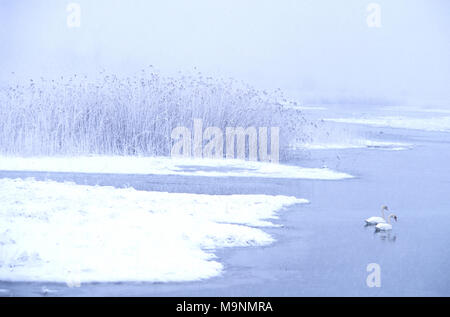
(389, 218)
(382, 213)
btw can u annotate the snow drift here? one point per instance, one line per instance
(62, 232)
(166, 166)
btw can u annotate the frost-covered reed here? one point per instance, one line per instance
(131, 115)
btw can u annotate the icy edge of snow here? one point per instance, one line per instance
(166, 166)
(64, 232)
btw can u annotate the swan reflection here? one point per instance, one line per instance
(387, 236)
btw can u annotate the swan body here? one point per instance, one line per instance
(383, 227)
(386, 226)
(377, 220)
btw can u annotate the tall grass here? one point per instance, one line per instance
(130, 115)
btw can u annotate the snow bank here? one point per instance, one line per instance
(441, 124)
(416, 109)
(166, 166)
(62, 232)
(354, 144)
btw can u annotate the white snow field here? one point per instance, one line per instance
(438, 124)
(62, 232)
(165, 166)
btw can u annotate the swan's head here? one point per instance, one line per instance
(392, 216)
(384, 207)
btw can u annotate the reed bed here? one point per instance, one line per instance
(112, 115)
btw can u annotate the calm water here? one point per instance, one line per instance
(323, 248)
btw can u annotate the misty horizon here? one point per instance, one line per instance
(315, 51)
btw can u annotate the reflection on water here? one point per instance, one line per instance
(387, 236)
(383, 235)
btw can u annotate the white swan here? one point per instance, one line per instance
(386, 226)
(377, 220)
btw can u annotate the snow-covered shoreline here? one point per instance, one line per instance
(165, 166)
(354, 144)
(434, 124)
(64, 232)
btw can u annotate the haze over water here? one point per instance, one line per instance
(313, 50)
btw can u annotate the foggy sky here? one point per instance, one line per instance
(307, 48)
